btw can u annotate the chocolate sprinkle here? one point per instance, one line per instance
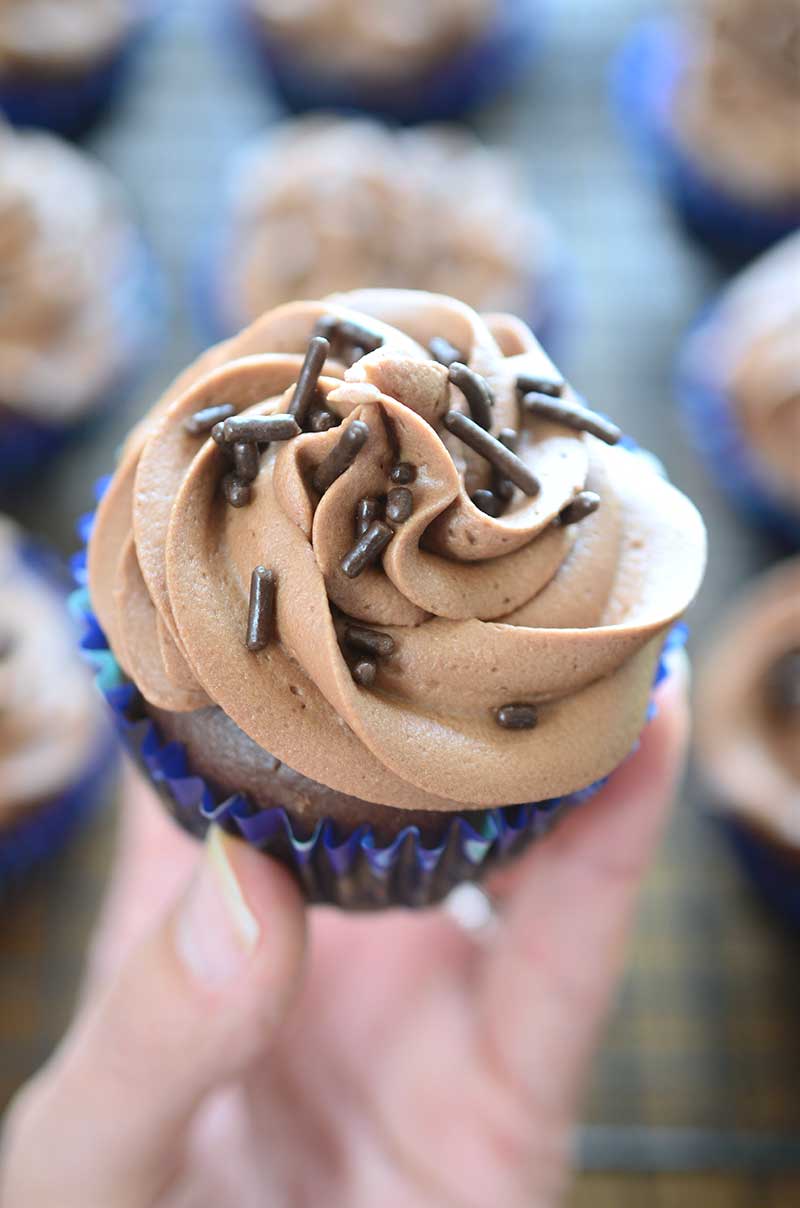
(580, 419)
(262, 608)
(326, 326)
(527, 384)
(364, 671)
(486, 445)
(444, 352)
(475, 389)
(306, 388)
(504, 487)
(341, 456)
(203, 421)
(581, 506)
(237, 493)
(783, 683)
(322, 420)
(259, 429)
(367, 511)
(399, 505)
(517, 717)
(367, 549)
(403, 473)
(349, 341)
(246, 461)
(488, 502)
(218, 436)
(359, 337)
(370, 641)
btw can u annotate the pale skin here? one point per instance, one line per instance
(233, 1047)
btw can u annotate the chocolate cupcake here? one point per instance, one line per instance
(370, 575)
(739, 384)
(748, 732)
(426, 62)
(713, 102)
(56, 746)
(78, 296)
(62, 63)
(322, 203)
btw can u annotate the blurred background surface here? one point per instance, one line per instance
(701, 1066)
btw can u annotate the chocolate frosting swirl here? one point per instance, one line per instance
(482, 611)
(738, 102)
(748, 721)
(374, 38)
(66, 246)
(55, 36)
(49, 713)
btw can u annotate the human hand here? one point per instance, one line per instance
(235, 1049)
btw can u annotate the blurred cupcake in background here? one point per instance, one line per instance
(57, 752)
(713, 101)
(78, 296)
(739, 383)
(416, 61)
(748, 732)
(61, 61)
(324, 204)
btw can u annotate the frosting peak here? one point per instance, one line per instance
(513, 626)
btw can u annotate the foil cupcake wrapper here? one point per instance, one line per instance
(644, 79)
(464, 81)
(713, 430)
(774, 874)
(351, 869)
(140, 303)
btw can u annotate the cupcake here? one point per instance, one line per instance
(77, 296)
(748, 732)
(425, 61)
(739, 384)
(712, 100)
(61, 63)
(372, 588)
(319, 205)
(56, 747)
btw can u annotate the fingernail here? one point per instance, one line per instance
(216, 930)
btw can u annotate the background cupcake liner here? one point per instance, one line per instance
(465, 80)
(69, 104)
(42, 830)
(713, 429)
(774, 873)
(26, 443)
(348, 869)
(645, 76)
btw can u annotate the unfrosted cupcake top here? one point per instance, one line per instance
(373, 38)
(66, 248)
(751, 350)
(748, 706)
(49, 714)
(442, 584)
(54, 36)
(326, 204)
(738, 103)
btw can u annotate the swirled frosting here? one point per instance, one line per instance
(51, 37)
(66, 245)
(738, 103)
(748, 706)
(751, 349)
(323, 204)
(482, 611)
(49, 715)
(373, 38)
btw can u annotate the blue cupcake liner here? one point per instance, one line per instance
(350, 869)
(27, 443)
(69, 104)
(469, 78)
(712, 427)
(645, 77)
(774, 873)
(43, 830)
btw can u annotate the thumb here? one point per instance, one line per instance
(192, 1008)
